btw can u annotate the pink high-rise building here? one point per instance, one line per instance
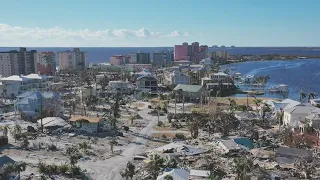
(181, 52)
(46, 63)
(117, 60)
(191, 52)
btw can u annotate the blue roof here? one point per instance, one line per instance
(38, 94)
(25, 94)
(23, 101)
(35, 95)
(5, 160)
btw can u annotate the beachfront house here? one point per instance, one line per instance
(86, 124)
(31, 103)
(178, 77)
(293, 115)
(190, 92)
(147, 83)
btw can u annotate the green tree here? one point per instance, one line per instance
(168, 177)
(155, 166)
(232, 104)
(171, 163)
(129, 171)
(311, 95)
(104, 82)
(242, 167)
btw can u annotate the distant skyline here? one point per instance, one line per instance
(159, 23)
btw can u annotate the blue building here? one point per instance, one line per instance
(30, 103)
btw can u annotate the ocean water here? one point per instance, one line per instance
(298, 74)
(102, 54)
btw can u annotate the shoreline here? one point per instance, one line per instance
(234, 62)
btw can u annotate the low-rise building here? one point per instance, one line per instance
(14, 85)
(147, 83)
(220, 86)
(207, 62)
(87, 124)
(220, 77)
(292, 116)
(177, 77)
(33, 104)
(123, 86)
(190, 92)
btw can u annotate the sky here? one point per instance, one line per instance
(159, 23)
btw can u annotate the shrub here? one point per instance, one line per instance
(84, 146)
(160, 123)
(126, 128)
(63, 168)
(52, 147)
(76, 170)
(180, 136)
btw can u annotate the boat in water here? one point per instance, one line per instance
(250, 76)
(281, 88)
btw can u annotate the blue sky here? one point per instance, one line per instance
(159, 22)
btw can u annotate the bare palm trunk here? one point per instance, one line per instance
(183, 103)
(175, 104)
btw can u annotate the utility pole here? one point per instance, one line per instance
(41, 107)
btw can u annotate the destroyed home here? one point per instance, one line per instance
(86, 124)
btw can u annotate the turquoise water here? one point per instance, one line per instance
(298, 74)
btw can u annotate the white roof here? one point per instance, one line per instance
(34, 76)
(199, 173)
(52, 121)
(176, 174)
(206, 78)
(290, 103)
(220, 74)
(14, 78)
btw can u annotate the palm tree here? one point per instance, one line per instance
(303, 95)
(5, 130)
(311, 95)
(129, 171)
(10, 168)
(16, 132)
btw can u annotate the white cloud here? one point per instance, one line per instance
(57, 36)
